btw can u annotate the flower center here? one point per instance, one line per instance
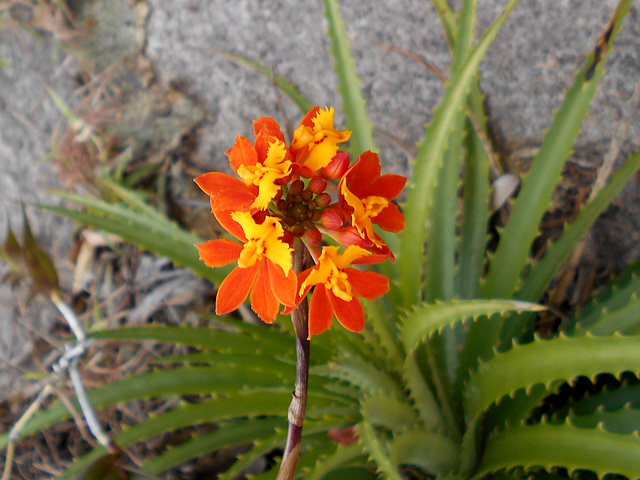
(339, 284)
(374, 204)
(252, 252)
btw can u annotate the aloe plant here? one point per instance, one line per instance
(449, 379)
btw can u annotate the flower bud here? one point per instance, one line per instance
(323, 200)
(298, 231)
(337, 167)
(296, 187)
(332, 219)
(313, 236)
(317, 184)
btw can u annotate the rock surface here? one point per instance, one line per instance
(524, 76)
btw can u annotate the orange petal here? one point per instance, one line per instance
(227, 192)
(308, 118)
(216, 253)
(263, 301)
(349, 314)
(268, 125)
(235, 288)
(320, 311)
(388, 186)
(229, 224)
(369, 285)
(284, 287)
(242, 153)
(364, 171)
(390, 219)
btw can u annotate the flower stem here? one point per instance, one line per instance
(298, 406)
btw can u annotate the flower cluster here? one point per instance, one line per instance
(283, 193)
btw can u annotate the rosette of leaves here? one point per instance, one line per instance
(449, 379)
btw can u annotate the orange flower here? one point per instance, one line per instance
(264, 271)
(367, 196)
(337, 288)
(315, 141)
(263, 166)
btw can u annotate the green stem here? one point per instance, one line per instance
(297, 408)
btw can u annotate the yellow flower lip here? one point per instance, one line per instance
(330, 271)
(263, 241)
(320, 139)
(264, 175)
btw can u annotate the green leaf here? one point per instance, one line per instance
(288, 88)
(149, 232)
(428, 319)
(343, 455)
(428, 162)
(389, 412)
(532, 201)
(362, 374)
(377, 451)
(353, 103)
(624, 421)
(237, 337)
(432, 452)
(179, 381)
(422, 395)
(542, 272)
(240, 432)
(617, 295)
(547, 362)
(259, 449)
(562, 446)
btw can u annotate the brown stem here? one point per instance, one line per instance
(298, 406)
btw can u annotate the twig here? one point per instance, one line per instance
(298, 406)
(17, 427)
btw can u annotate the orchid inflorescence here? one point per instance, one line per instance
(282, 195)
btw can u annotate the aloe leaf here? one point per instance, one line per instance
(422, 395)
(542, 272)
(623, 421)
(624, 320)
(361, 374)
(377, 452)
(428, 162)
(163, 238)
(617, 295)
(288, 88)
(386, 330)
(238, 433)
(441, 254)
(428, 319)
(353, 103)
(389, 412)
(562, 446)
(260, 338)
(180, 381)
(258, 450)
(532, 201)
(342, 456)
(432, 452)
(548, 362)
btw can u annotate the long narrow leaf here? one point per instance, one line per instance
(548, 362)
(532, 202)
(353, 103)
(148, 232)
(542, 272)
(562, 446)
(428, 319)
(428, 162)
